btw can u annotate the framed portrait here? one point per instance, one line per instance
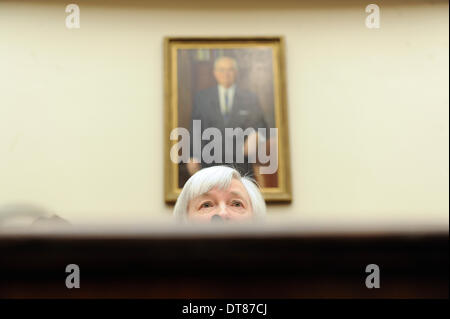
(225, 104)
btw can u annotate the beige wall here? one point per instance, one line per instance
(81, 111)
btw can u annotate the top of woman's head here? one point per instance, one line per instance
(219, 193)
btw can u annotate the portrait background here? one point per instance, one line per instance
(189, 68)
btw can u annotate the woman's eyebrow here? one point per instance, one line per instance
(202, 196)
(205, 194)
(238, 194)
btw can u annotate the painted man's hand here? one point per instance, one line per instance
(192, 167)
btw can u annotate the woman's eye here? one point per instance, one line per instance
(237, 204)
(206, 205)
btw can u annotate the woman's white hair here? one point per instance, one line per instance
(217, 176)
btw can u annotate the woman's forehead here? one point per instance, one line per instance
(234, 188)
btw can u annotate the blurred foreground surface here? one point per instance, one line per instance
(219, 261)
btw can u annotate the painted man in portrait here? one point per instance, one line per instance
(226, 105)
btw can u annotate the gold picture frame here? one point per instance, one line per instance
(188, 67)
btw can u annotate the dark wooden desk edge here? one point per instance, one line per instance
(287, 266)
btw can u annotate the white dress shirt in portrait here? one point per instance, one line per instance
(226, 97)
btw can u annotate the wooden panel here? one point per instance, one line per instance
(238, 266)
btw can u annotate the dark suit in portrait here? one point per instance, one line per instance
(245, 112)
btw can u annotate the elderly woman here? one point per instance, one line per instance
(219, 193)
